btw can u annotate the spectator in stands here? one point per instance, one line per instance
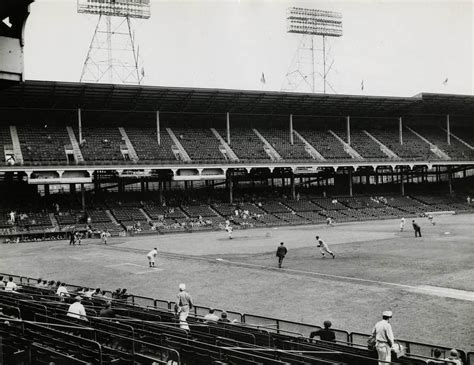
(96, 293)
(384, 338)
(183, 305)
(2, 283)
(417, 228)
(39, 283)
(325, 334)
(12, 217)
(437, 358)
(44, 284)
(11, 286)
(453, 357)
(62, 290)
(151, 257)
(77, 310)
(116, 293)
(281, 253)
(88, 292)
(211, 317)
(223, 318)
(123, 294)
(107, 311)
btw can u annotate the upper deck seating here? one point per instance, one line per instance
(413, 147)
(101, 144)
(145, 143)
(199, 143)
(45, 144)
(246, 144)
(280, 140)
(5, 140)
(325, 143)
(363, 144)
(456, 150)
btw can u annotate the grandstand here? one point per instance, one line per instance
(35, 328)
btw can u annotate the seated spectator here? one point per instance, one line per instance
(77, 310)
(116, 293)
(325, 334)
(96, 293)
(437, 358)
(223, 318)
(123, 294)
(453, 357)
(62, 290)
(2, 283)
(107, 311)
(88, 293)
(39, 283)
(211, 317)
(11, 286)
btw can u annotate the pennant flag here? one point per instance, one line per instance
(445, 82)
(262, 79)
(362, 85)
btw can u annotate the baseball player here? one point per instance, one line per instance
(402, 224)
(228, 228)
(151, 257)
(323, 248)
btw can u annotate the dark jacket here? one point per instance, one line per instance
(281, 251)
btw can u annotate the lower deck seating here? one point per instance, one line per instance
(36, 327)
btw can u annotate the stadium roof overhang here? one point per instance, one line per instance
(107, 97)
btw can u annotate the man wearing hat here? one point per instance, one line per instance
(325, 334)
(453, 357)
(281, 253)
(384, 338)
(183, 304)
(77, 310)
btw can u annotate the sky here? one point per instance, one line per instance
(391, 47)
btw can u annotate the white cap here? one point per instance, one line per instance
(182, 286)
(387, 314)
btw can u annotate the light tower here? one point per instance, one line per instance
(304, 69)
(113, 55)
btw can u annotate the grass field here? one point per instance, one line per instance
(427, 282)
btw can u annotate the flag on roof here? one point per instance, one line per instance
(262, 79)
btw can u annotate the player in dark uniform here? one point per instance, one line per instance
(281, 253)
(417, 228)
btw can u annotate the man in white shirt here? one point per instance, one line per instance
(77, 310)
(151, 257)
(211, 317)
(402, 224)
(11, 286)
(62, 290)
(323, 248)
(384, 338)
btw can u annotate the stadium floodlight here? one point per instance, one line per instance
(121, 8)
(310, 23)
(314, 22)
(113, 55)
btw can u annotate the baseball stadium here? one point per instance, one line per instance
(95, 175)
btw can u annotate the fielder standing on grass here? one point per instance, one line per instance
(151, 257)
(323, 248)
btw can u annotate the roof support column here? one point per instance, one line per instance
(400, 130)
(229, 184)
(291, 129)
(79, 123)
(348, 127)
(228, 127)
(448, 130)
(158, 135)
(402, 183)
(350, 181)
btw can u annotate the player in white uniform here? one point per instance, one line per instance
(151, 257)
(323, 248)
(228, 228)
(402, 224)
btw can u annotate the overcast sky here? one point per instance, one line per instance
(397, 48)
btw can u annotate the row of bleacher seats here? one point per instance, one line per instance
(35, 328)
(43, 145)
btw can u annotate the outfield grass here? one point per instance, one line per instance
(376, 268)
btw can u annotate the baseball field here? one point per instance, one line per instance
(427, 282)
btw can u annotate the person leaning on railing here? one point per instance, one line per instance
(325, 334)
